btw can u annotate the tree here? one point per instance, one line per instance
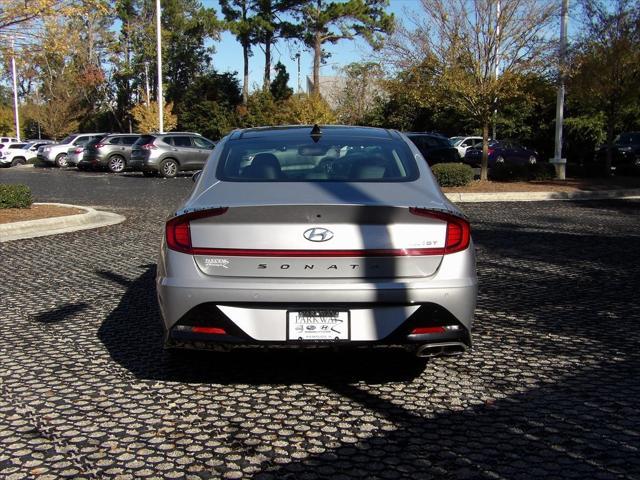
(609, 45)
(303, 109)
(17, 13)
(279, 87)
(186, 26)
(358, 97)
(242, 24)
(457, 46)
(146, 117)
(271, 24)
(325, 22)
(210, 104)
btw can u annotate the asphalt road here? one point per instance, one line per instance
(550, 390)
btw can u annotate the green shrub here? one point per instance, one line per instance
(15, 196)
(504, 172)
(452, 174)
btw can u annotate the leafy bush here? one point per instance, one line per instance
(522, 173)
(452, 174)
(15, 196)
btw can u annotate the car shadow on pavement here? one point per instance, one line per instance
(132, 334)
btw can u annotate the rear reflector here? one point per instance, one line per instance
(209, 330)
(425, 330)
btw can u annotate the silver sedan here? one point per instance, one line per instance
(317, 236)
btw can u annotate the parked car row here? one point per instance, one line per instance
(436, 148)
(159, 153)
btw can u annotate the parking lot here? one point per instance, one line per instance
(550, 390)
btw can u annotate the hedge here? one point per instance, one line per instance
(15, 196)
(452, 174)
(504, 172)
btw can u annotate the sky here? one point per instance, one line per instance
(228, 56)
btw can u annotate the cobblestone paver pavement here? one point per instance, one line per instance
(550, 390)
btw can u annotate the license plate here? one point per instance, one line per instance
(318, 325)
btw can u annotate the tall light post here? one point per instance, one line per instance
(16, 113)
(160, 96)
(558, 162)
(497, 53)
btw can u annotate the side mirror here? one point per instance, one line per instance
(196, 176)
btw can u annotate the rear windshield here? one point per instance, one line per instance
(297, 158)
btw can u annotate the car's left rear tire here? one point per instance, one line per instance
(169, 168)
(117, 164)
(18, 161)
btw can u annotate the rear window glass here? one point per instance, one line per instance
(297, 158)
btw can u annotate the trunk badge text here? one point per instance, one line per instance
(318, 234)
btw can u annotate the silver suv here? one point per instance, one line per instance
(112, 151)
(57, 153)
(169, 153)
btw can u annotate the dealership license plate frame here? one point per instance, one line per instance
(309, 337)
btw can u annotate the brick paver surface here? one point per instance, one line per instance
(550, 390)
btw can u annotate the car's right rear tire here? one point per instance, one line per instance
(61, 160)
(18, 161)
(169, 168)
(117, 164)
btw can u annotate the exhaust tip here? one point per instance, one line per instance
(445, 349)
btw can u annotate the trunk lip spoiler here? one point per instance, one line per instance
(188, 210)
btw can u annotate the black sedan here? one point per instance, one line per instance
(501, 152)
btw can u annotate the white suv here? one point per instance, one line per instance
(20, 153)
(57, 153)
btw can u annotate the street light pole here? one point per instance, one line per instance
(160, 96)
(558, 162)
(146, 81)
(16, 113)
(495, 111)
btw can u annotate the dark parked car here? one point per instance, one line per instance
(625, 154)
(169, 153)
(111, 151)
(500, 152)
(434, 148)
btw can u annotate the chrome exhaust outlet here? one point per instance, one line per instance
(444, 349)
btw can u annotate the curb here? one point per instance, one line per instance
(52, 226)
(540, 196)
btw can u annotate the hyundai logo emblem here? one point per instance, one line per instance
(318, 234)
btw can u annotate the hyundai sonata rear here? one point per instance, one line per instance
(332, 236)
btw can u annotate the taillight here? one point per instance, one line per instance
(148, 146)
(78, 150)
(490, 151)
(99, 145)
(458, 229)
(178, 230)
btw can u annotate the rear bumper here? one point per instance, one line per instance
(254, 310)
